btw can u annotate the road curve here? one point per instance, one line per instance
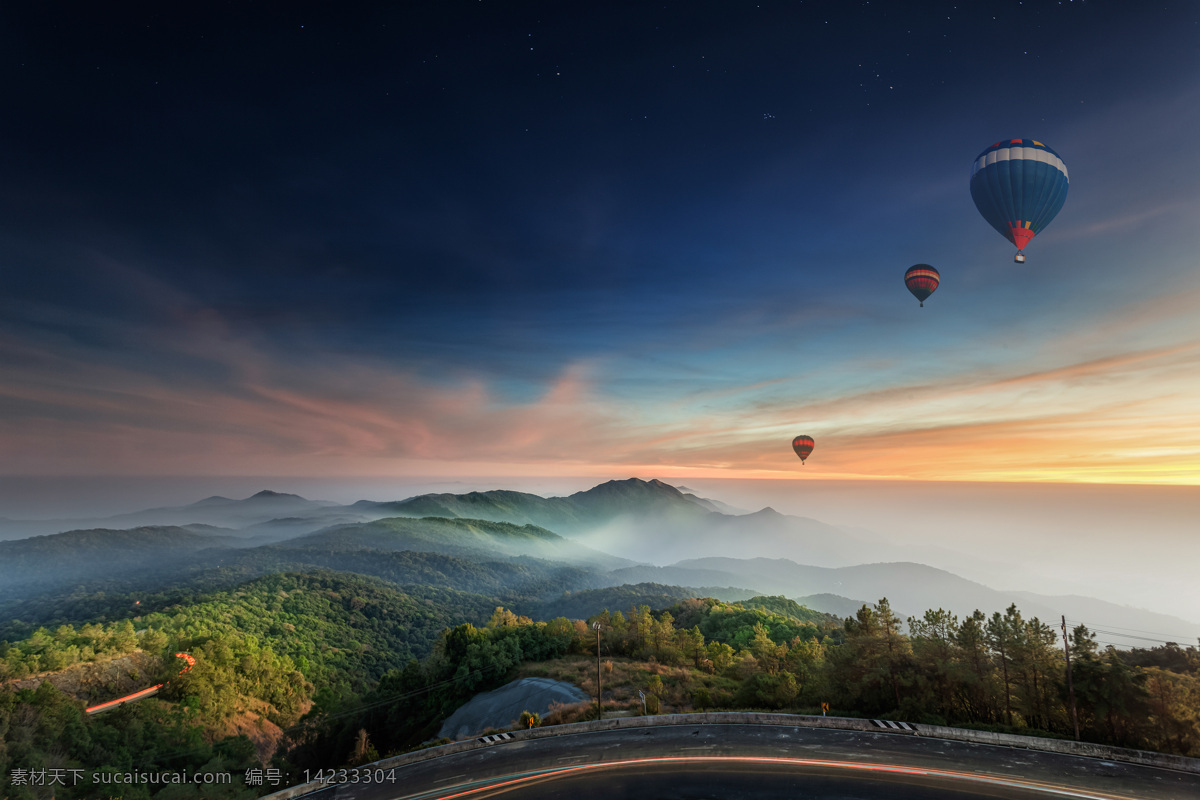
(759, 761)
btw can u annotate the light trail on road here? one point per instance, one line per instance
(519, 781)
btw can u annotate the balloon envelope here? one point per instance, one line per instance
(922, 280)
(803, 445)
(1018, 185)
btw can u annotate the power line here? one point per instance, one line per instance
(1114, 644)
(1169, 637)
(1130, 636)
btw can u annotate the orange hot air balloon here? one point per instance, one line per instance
(803, 445)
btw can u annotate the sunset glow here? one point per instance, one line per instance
(639, 313)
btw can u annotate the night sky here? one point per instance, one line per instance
(512, 238)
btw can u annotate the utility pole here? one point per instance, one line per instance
(1070, 682)
(599, 693)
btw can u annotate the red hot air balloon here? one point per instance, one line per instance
(803, 445)
(922, 280)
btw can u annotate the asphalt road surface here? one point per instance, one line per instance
(502, 707)
(728, 762)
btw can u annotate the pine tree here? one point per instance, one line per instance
(1000, 640)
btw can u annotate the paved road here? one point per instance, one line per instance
(501, 707)
(743, 761)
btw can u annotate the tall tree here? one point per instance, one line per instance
(866, 668)
(770, 655)
(1111, 695)
(975, 673)
(897, 645)
(935, 651)
(1174, 705)
(1000, 639)
(1043, 669)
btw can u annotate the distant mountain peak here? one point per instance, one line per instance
(766, 511)
(634, 496)
(634, 484)
(632, 489)
(267, 494)
(215, 500)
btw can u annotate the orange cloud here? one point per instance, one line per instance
(240, 407)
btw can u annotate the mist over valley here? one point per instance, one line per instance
(527, 549)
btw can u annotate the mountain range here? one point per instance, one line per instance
(578, 512)
(526, 548)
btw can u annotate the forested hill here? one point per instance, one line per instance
(335, 627)
(583, 603)
(518, 566)
(495, 506)
(264, 652)
(455, 536)
(47, 562)
(344, 646)
(784, 607)
(269, 511)
(578, 512)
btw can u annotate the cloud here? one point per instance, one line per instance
(177, 387)
(1125, 417)
(1123, 223)
(233, 404)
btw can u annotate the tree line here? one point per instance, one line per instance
(378, 670)
(1003, 672)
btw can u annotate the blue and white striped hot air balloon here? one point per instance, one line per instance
(1018, 185)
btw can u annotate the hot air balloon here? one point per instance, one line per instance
(922, 280)
(803, 445)
(1018, 185)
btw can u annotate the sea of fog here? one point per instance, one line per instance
(1133, 545)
